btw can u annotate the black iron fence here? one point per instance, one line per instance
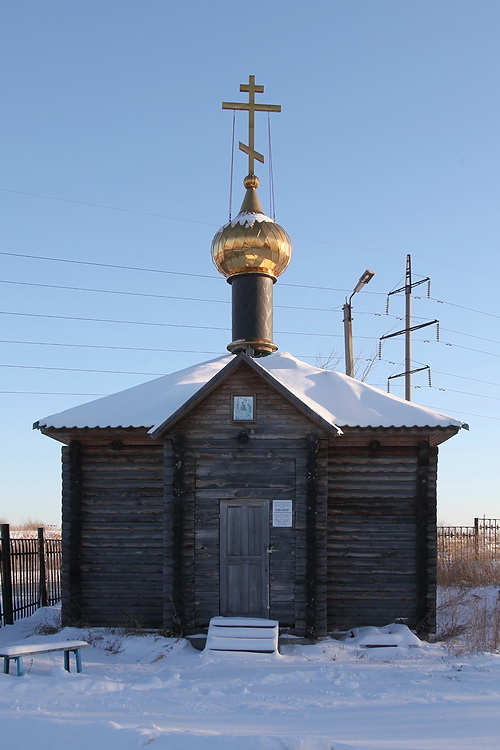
(30, 574)
(479, 542)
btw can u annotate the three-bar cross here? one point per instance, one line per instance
(252, 107)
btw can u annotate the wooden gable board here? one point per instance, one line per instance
(239, 361)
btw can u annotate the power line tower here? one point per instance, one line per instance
(408, 329)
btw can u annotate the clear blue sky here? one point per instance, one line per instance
(116, 151)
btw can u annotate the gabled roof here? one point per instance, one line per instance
(331, 398)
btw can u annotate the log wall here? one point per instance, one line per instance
(381, 536)
(113, 531)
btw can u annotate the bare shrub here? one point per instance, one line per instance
(468, 575)
(29, 525)
(467, 572)
(114, 644)
(469, 618)
(47, 628)
(133, 624)
(93, 639)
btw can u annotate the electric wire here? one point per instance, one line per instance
(440, 372)
(103, 346)
(206, 223)
(218, 278)
(66, 287)
(220, 328)
(175, 273)
(167, 325)
(49, 393)
(108, 208)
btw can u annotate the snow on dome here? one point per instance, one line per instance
(336, 398)
(248, 219)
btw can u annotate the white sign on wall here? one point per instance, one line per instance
(282, 513)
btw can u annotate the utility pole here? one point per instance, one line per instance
(347, 310)
(408, 329)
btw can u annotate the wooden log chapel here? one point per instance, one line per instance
(253, 484)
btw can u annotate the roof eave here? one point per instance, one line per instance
(434, 435)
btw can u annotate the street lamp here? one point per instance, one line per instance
(347, 310)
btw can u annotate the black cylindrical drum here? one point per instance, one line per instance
(252, 314)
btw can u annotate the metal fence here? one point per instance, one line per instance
(30, 574)
(479, 542)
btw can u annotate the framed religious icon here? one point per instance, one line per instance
(243, 408)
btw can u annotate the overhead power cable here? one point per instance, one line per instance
(167, 325)
(148, 294)
(161, 374)
(108, 208)
(65, 393)
(109, 265)
(206, 223)
(219, 278)
(462, 307)
(50, 393)
(103, 346)
(220, 328)
(82, 369)
(449, 374)
(127, 348)
(218, 301)
(460, 346)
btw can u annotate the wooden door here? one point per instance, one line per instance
(244, 558)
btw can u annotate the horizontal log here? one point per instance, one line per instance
(122, 577)
(124, 508)
(365, 526)
(120, 599)
(142, 463)
(373, 556)
(239, 465)
(152, 451)
(144, 525)
(405, 539)
(246, 482)
(121, 497)
(250, 492)
(120, 483)
(369, 496)
(372, 542)
(115, 562)
(93, 608)
(372, 581)
(356, 512)
(111, 550)
(376, 464)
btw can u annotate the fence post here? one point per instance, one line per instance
(476, 538)
(44, 599)
(8, 606)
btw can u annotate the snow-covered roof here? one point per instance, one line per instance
(335, 398)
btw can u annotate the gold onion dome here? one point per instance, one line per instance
(252, 242)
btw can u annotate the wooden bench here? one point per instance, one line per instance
(16, 653)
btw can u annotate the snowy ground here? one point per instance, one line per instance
(148, 690)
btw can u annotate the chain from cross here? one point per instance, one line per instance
(252, 108)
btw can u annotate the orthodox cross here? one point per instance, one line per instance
(252, 107)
